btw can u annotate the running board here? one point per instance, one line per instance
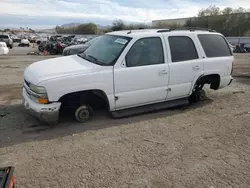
(149, 108)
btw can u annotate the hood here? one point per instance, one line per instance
(58, 67)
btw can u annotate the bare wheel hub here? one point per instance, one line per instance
(82, 114)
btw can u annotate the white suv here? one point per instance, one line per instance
(143, 70)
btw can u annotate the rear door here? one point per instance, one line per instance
(185, 64)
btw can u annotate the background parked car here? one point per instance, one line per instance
(40, 40)
(16, 39)
(247, 47)
(80, 48)
(32, 39)
(3, 48)
(6, 38)
(24, 42)
(240, 48)
(42, 46)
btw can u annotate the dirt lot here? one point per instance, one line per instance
(202, 145)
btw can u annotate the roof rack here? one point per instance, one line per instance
(186, 28)
(164, 30)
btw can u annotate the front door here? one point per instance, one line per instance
(142, 78)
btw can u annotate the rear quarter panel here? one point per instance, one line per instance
(217, 65)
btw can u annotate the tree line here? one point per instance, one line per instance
(228, 21)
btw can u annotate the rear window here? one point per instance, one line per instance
(4, 37)
(215, 45)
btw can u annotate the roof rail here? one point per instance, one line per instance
(163, 30)
(186, 28)
(199, 29)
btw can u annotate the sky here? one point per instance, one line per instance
(45, 14)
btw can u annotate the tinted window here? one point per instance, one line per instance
(214, 45)
(182, 48)
(146, 51)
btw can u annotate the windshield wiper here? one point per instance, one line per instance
(90, 58)
(94, 59)
(83, 55)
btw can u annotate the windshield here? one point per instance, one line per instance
(92, 41)
(106, 50)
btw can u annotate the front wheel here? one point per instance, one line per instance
(83, 113)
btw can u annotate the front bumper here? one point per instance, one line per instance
(48, 113)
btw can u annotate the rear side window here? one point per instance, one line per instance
(182, 48)
(215, 45)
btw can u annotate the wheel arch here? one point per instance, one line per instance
(213, 79)
(83, 93)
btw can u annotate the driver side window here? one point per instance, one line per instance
(145, 51)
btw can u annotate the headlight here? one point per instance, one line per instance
(37, 89)
(41, 97)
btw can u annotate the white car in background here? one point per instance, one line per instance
(24, 42)
(3, 48)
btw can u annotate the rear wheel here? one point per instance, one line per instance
(198, 95)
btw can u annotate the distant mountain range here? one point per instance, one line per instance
(68, 25)
(76, 24)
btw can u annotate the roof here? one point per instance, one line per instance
(146, 32)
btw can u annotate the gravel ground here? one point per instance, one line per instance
(201, 145)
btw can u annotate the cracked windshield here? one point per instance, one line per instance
(122, 93)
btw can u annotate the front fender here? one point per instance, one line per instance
(58, 87)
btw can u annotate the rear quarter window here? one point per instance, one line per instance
(215, 45)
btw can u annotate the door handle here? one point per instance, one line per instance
(196, 68)
(163, 72)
